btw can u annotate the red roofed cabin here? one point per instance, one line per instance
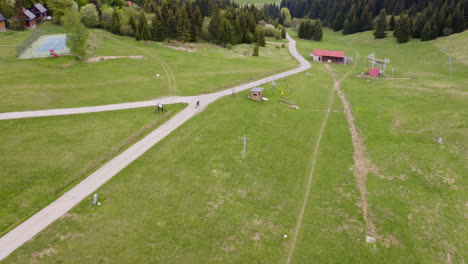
(29, 19)
(330, 56)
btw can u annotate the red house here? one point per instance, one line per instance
(29, 19)
(374, 72)
(330, 56)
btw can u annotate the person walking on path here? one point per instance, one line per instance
(198, 103)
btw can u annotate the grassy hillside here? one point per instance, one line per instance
(43, 157)
(418, 190)
(192, 198)
(63, 82)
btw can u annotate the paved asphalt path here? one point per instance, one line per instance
(36, 223)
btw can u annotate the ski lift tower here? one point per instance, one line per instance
(379, 63)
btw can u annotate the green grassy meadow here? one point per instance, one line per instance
(418, 197)
(57, 83)
(43, 157)
(210, 205)
(193, 199)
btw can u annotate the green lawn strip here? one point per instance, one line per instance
(192, 198)
(418, 197)
(62, 82)
(44, 157)
(333, 227)
(455, 45)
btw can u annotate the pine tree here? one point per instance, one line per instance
(132, 23)
(146, 33)
(355, 24)
(157, 30)
(396, 30)
(381, 25)
(458, 24)
(220, 34)
(418, 25)
(183, 25)
(426, 32)
(238, 32)
(171, 23)
(318, 31)
(283, 33)
(340, 17)
(403, 29)
(434, 28)
(17, 20)
(448, 26)
(347, 27)
(228, 32)
(261, 38)
(115, 22)
(300, 30)
(215, 22)
(366, 19)
(391, 24)
(141, 26)
(165, 14)
(197, 19)
(255, 50)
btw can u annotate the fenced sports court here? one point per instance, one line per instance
(44, 38)
(42, 46)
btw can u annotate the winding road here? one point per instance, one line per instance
(36, 223)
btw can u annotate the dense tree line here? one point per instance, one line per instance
(309, 30)
(426, 19)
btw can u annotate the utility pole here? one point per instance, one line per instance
(245, 143)
(450, 61)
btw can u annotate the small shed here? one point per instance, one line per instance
(256, 94)
(375, 72)
(2, 23)
(29, 19)
(39, 11)
(330, 56)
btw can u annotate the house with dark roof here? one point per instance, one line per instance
(29, 19)
(330, 56)
(40, 11)
(2, 23)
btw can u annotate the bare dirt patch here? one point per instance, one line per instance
(362, 165)
(103, 58)
(178, 46)
(40, 254)
(256, 237)
(69, 235)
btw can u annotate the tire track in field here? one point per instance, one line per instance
(309, 183)
(171, 80)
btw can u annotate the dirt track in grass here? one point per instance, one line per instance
(362, 165)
